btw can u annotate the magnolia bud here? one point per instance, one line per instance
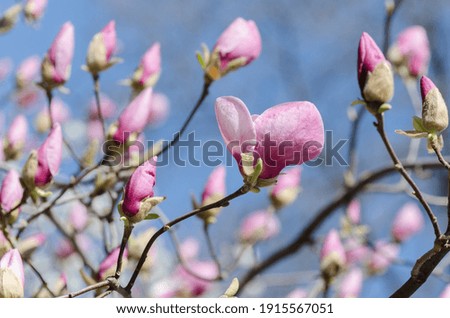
(149, 69)
(108, 265)
(11, 194)
(350, 285)
(12, 276)
(408, 221)
(375, 77)
(101, 49)
(434, 109)
(30, 244)
(27, 71)
(259, 226)
(214, 191)
(286, 189)
(16, 138)
(383, 256)
(9, 18)
(34, 9)
(332, 256)
(60, 114)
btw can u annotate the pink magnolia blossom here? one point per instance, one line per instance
(258, 226)
(383, 256)
(27, 96)
(16, 137)
(60, 114)
(28, 71)
(138, 194)
(287, 188)
(407, 222)
(332, 256)
(108, 265)
(285, 134)
(101, 49)
(215, 188)
(11, 192)
(159, 110)
(356, 251)
(13, 261)
(149, 69)
(78, 216)
(351, 284)
(133, 118)
(34, 9)
(49, 157)
(412, 49)
(240, 40)
(107, 106)
(56, 66)
(354, 212)
(374, 72)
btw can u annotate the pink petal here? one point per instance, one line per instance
(215, 186)
(13, 261)
(49, 157)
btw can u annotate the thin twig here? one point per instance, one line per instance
(87, 289)
(96, 79)
(127, 229)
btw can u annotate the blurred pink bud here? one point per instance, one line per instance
(78, 216)
(28, 71)
(65, 248)
(60, 114)
(297, 293)
(215, 188)
(13, 261)
(138, 194)
(407, 222)
(6, 66)
(446, 292)
(299, 123)
(28, 245)
(192, 286)
(258, 226)
(356, 251)
(108, 265)
(34, 9)
(374, 72)
(434, 108)
(240, 41)
(354, 212)
(11, 192)
(149, 69)
(16, 137)
(351, 284)
(332, 254)
(107, 106)
(101, 49)
(159, 110)
(49, 157)
(189, 249)
(412, 50)
(382, 257)
(286, 189)
(56, 66)
(133, 118)
(95, 130)
(27, 96)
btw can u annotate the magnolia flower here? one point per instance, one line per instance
(285, 134)
(34, 9)
(356, 251)
(286, 189)
(101, 49)
(12, 278)
(27, 71)
(375, 76)
(214, 190)
(107, 106)
(27, 96)
(351, 284)
(108, 265)
(410, 54)
(11, 194)
(78, 216)
(16, 138)
(133, 118)
(237, 46)
(407, 222)
(149, 69)
(332, 255)
(60, 114)
(384, 255)
(259, 226)
(57, 63)
(434, 116)
(159, 110)
(28, 245)
(43, 164)
(138, 197)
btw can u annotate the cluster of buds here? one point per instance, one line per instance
(434, 117)
(237, 46)
(375, 77)
(260, 160)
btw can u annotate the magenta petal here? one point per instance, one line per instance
(414, 46)
(236, 125)
(109, 39)
(288, 134)
(13, 261)
(17, 133)
(151, 62)
(426, 85)
(61, 52)
(369, 56)
(133, 118)
(110, 261)
(139, 187)
(49, 157)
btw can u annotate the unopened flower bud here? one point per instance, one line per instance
(34, 9)
(214, 190)
(108, 265)
(407, 222)
(149, 69)
(9, 18)
(384, 255)
(351, 284)
(375, 77)
(434, 109)
(159, 110)
(28, 245)
(332, 256)
(27, 71)
(286, 189)
(11, 194)
(60, 114)
(259, 226)
(78, 216)
(16, 138)
(12, 276)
